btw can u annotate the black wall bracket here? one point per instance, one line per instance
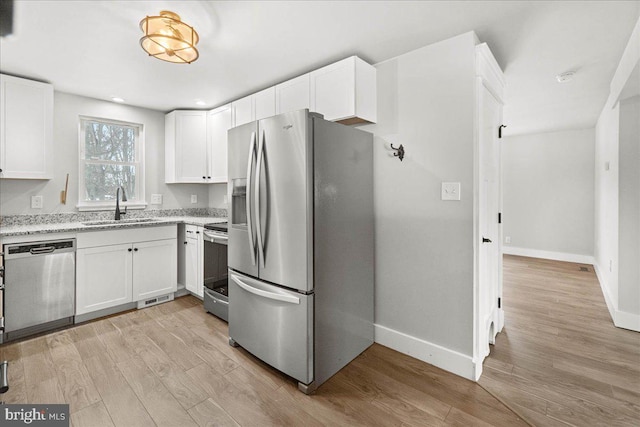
(399, 152)
(500, 130)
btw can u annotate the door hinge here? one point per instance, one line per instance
(499, 217)
(499, 302)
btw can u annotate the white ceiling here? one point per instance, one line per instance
(91, 48)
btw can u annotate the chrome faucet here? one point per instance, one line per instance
(124, 199)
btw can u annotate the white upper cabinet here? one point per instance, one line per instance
(219, 121)
(186, 147)
(254, 107)
(264, 103)
(293, 95)
(243, 111)
(345, 91)
(196, 145)
(26, 128)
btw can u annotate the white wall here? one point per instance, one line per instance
(629, 209)
(15, 195)
(424, 246)
(217, 193)
(548, 193)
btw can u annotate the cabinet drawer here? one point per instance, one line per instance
(192, 231)
(125, 235)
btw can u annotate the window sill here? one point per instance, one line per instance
(90, 207)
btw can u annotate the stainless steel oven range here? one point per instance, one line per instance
(216, 296)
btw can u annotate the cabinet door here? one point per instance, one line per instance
(265, 103)
(293, 95)
(345, 91)
(154, 268)
(191, 146)
(26, 127)
(218, 123)
(103, 277)
(193, 264)
(333, 90)
(243, 110)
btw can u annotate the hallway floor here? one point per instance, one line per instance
(559, 359)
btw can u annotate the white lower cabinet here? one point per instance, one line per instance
(115, 267)
(154, 268)
(103, 277)
(193, 260)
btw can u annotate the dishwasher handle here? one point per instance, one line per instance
(4, 377)
(40, 251)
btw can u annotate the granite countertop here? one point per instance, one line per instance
(20, 229)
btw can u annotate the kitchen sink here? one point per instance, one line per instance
(120, 221)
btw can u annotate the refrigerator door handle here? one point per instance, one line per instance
(265, 294)
(257, 195)
(252, 244)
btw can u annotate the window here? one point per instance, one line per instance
(111, 156)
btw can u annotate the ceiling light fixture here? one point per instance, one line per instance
(116, 99)
(565, 77)
(166, 37)
(201, 103)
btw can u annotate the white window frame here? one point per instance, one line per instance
(140, 202)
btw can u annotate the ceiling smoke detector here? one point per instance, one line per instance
(565, 77)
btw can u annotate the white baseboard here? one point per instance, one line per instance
(626, 320)
(621, 319)
(434, 354)
(557, 256)
(611, 305)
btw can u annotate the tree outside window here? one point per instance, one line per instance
(110, 157)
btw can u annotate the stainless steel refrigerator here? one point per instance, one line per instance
(301, 243)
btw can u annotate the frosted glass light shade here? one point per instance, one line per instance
(166, 37)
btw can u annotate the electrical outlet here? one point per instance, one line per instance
(194, 198)
(156, 199)
(610, 265)
(36, 202)
(450, 191)
(507, 239)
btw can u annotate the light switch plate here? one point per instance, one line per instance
(194, 198)
(156, 199)
(450, 191)
(36, 202)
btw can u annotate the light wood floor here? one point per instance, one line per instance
(171, 365)
(559, 359)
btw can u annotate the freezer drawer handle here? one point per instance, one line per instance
(265, 294)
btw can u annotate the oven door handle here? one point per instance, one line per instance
(265, 294)
(210, 293)
(216, 238)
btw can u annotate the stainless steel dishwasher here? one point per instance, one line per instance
(39, 293)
